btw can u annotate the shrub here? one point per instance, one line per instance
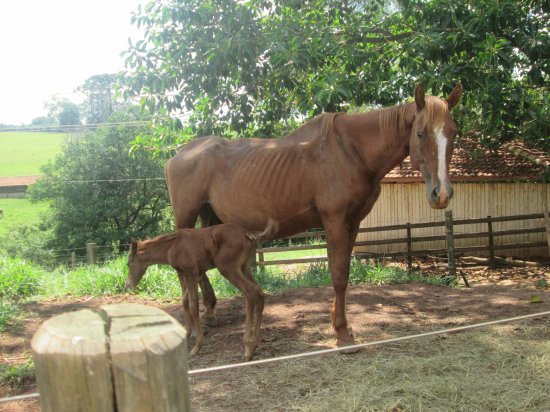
(17, 375)
(106, 279)
(18, 278)
(29, 243)
(98, 193)
(8, 311)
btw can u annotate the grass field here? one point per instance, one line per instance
(23, 153)
(19, 212)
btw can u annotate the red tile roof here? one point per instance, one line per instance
(18, 180)
(473, 161)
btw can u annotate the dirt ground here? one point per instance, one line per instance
(298, 320)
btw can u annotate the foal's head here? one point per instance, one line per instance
(432, 141)
(136, 267)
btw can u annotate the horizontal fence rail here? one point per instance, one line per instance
(409, 239)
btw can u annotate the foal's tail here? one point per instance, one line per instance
(270, 230)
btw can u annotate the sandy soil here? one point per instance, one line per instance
(298, 320)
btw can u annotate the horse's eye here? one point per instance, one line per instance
(420, 134)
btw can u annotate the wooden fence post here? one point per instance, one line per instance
(450, 242)
(491, 242)
(91, 253)
(261, 259)
(122, 358)
(546, 215)
(409, 248)
(73, 259)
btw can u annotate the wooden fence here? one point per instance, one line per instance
(447, 234)
(408, 238)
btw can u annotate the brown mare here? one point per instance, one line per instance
(194, 251)
(326, 173)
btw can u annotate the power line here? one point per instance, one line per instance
(73, 127)
(143, 179)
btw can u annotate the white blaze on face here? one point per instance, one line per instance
(441, 141)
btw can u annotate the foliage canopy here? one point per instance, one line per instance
(245, 68)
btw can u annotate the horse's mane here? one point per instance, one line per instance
(162, 238)
(323, 122)
(326, 124)
(395, 120)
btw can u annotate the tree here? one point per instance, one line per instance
(43, 121)
(244, 67)
(65, 111)
(99, 193)
(98, 105)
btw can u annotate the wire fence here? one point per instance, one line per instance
(303, 355)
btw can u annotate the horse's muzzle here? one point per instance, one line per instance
(440, 196)
(129, 285)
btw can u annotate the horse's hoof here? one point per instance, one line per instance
(247, 357)
(194, 351)
(210, 321)
(349, 351)
(347, 341)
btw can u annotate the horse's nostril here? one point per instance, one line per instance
(435, 193)
(451, 192)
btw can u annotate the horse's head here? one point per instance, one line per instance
(432, 141)
(136, 268)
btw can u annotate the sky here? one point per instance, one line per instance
(50, 47)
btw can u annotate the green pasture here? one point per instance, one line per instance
(297, 254)
(23, 153)
(17, 212)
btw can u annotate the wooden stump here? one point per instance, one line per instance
(122, 358)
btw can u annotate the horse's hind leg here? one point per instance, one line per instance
(208, 218)
(209, 301)
(186, 212)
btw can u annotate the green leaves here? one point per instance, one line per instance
(243, 68)
(100, 194)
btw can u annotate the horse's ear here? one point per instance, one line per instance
(454, 97)
(420, 97)
(133, 248)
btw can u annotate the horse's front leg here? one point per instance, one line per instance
(339, 254)
(188, 321)
(191, 282)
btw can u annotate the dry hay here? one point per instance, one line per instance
(503, 368)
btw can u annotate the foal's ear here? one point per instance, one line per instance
(420, 97)
(133, 248)
(454, 97)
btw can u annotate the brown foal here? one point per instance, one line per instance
(191, 252)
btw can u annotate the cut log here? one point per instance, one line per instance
(122, 358)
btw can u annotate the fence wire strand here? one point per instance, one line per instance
(328, 351)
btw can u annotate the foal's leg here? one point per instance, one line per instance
(186, 310)
(255, 299)
(186, 209)
(191, 281)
